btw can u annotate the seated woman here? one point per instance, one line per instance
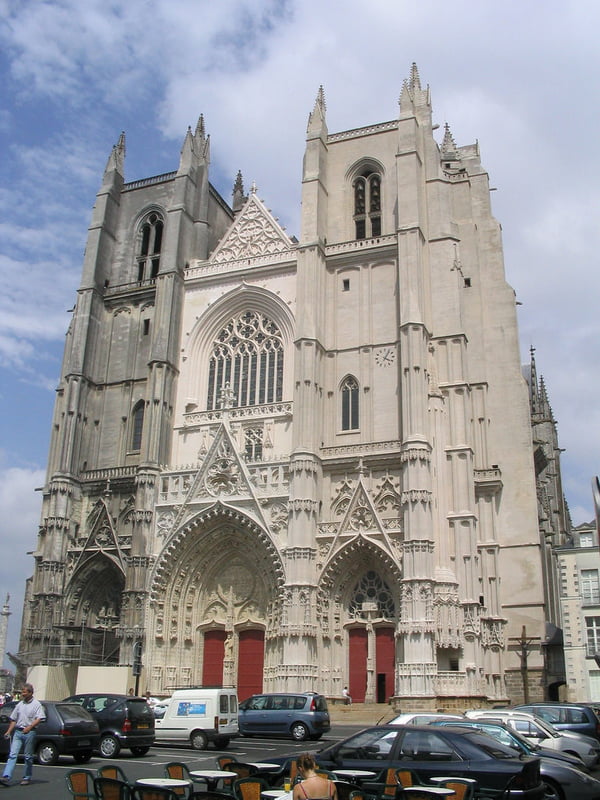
(312, 786)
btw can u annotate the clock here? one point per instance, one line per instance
(385, 356)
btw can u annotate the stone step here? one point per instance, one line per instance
(360, 713)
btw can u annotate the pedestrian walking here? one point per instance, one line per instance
(25, 717)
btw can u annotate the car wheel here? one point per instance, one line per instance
(84, 757)
(552, 791)
(109, 746)
(198, 740)
(139, 751)
(299, 732)
(47, 754)
(222, 742)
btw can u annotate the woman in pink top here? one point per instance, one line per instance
(312, 786)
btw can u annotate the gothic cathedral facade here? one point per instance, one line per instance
(297, 464)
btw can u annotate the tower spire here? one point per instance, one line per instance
(316, 119)
(238, 193)
(116, 159)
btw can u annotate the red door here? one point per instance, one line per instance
(384, 661)
(214, 651)
(358, 664)
(251, 659)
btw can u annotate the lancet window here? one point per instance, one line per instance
(372, 597)
(367, 205)
(137, 426)
(149, 246)
(246, 363)
(349, 391)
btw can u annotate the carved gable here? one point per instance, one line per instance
(254, 233)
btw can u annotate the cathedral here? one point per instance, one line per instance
(298, 464)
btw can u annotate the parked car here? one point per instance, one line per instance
(422, 718)
(197, 716)
(298, 715)
(68, 730)
(124, 721)
(563, 776)
(542, 732)
(435, 752)
(575, 717)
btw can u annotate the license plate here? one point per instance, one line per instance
(143, 725)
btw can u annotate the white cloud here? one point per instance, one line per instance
(18, 533)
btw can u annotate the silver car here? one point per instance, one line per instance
(543, 733)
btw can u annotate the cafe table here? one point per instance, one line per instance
(354, 775)
(426, 791)
(275, 794)
(163, 783)
(264, 766)
(212, 776)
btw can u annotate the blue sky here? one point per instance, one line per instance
(519, 77)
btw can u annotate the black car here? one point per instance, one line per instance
(124, 722)
(435, 752)
(68, 730)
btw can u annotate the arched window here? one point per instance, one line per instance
(137, 426)
(372, 594)
(349, 390)
(246, 363)
(149, 246)
(367, 205)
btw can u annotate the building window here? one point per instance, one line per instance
(367, 205)
(253, 444)
(586, 539)
(372, 596)
(592, 626)
(149, 246)
(350, 404)
(137, 426)
(590, 587)
(246, 363)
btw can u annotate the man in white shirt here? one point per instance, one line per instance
(24, 719)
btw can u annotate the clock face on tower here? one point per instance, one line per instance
(385, 356)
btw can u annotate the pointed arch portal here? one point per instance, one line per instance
(365, 582)
(215, 592)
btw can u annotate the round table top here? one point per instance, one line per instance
(357, 773)
(211, 773)
(275, 794)
(452, 778)
(263, 765)
(169, 783)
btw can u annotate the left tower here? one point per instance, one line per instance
(113, 414)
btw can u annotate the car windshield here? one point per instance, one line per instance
(371, 743)
(71, 712)
(473, 743)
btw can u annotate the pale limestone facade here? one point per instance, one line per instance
(355, 501)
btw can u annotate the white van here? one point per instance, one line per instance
(199, 716)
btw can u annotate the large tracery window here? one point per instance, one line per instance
(149, 247)
(367, 205)
(246, 363)
(372, 595)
